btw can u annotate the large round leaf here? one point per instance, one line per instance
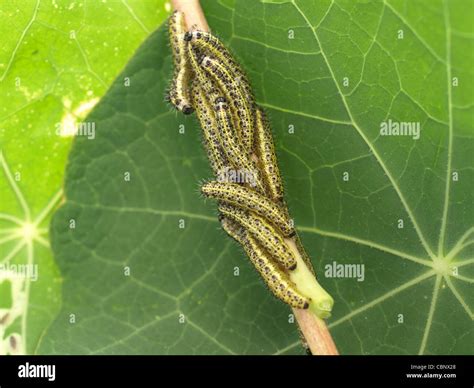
(146, 267)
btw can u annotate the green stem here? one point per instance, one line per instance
(305, 281)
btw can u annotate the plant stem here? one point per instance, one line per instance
(306, 283)
(313, 328)
(193, 13)
(316, 333)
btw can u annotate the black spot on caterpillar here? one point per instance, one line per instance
(264, 232)
(243, 197)
(179, 94)
(265, 150)
(206, 116)
(239, 101)
(234, 153)
(278, 282)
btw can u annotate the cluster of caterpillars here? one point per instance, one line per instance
(209, 81)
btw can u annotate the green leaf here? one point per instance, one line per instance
(329, 73)
(57, 59)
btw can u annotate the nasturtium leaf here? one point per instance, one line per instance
(57, 59)
(147, 269)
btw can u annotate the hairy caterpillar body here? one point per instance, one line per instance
(265, 234)
(244, 197)
(179, 94)
(210, 44)
(238, 158)
(206, 83)
(239, 101)
(267, 157)
(277, 281)
(233, 229)
(206, 116)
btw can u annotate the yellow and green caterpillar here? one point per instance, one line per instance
(278, 282)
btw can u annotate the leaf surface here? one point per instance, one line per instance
(329, 74)
(57, 59)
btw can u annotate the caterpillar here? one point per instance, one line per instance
(200, 76)
(244, 197)
(210, 44)
(265, 150)
(179, 94)
(206, 116)
(264, 232)
(233, 229)
(242, 112)
(238, 158)
(277, 281)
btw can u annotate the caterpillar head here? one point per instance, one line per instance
(187, 109)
